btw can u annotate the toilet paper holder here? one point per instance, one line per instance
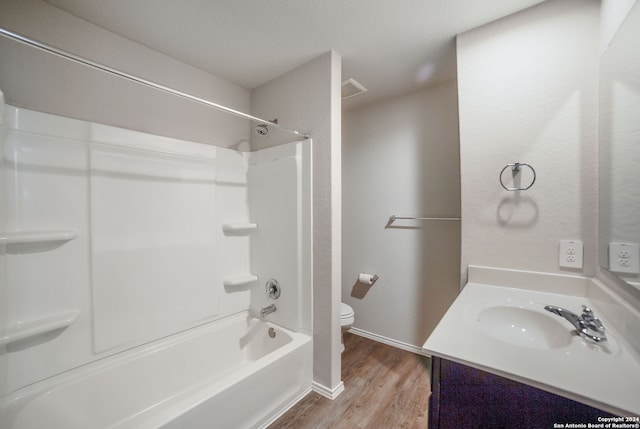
(367, 279)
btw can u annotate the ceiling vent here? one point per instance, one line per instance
(351, 88)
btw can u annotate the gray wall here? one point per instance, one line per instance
(43, 82)
(528, 93)
(401, 156)
(308, 98)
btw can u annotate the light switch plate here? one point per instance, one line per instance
(624, 258)
(570, 254)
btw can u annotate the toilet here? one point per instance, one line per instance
(347, 317)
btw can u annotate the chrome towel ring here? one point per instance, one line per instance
(515, 169)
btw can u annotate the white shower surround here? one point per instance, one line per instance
(109, 296)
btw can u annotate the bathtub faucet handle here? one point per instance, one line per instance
(273, 289)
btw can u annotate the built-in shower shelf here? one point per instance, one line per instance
(25, 330)
(37, 237)
(239, 228)
(239, 280)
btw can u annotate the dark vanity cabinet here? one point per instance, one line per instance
(465, 397)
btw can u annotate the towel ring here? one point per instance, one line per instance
(515, 167)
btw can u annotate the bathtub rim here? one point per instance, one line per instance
(12, 404)
(197, 394)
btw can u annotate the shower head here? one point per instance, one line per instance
(262, 130)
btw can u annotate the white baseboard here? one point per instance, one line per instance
(286, 408)
(326, 392)
(389, 341)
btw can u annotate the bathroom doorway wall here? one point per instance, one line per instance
(401, 156)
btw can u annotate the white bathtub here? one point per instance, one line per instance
(227, 374)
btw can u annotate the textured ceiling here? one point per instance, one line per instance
(391, 47)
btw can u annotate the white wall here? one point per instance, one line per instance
(308, 98)
(279, 181)
(612, 14)
(401, 156)
(43, 82)
(149, 258)
(527, 89)
(617, 95)
(619, 131)
(4, 306)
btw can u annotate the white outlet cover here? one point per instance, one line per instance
(624, 258)
(570, 255)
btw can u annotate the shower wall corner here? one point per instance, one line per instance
(279, 186)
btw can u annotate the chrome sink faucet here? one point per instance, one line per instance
(588, 326)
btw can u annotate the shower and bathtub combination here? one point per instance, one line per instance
(137, 277)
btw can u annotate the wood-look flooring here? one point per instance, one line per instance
(385, 388)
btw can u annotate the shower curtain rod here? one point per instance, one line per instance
(68, 55)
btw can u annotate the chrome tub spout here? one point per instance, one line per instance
(267, 310)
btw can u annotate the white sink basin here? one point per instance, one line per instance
(506, 331)
(524, 327)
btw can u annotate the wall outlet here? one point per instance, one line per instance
(570, 254)
(624, 258)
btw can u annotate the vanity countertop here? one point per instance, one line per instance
(498, 324)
